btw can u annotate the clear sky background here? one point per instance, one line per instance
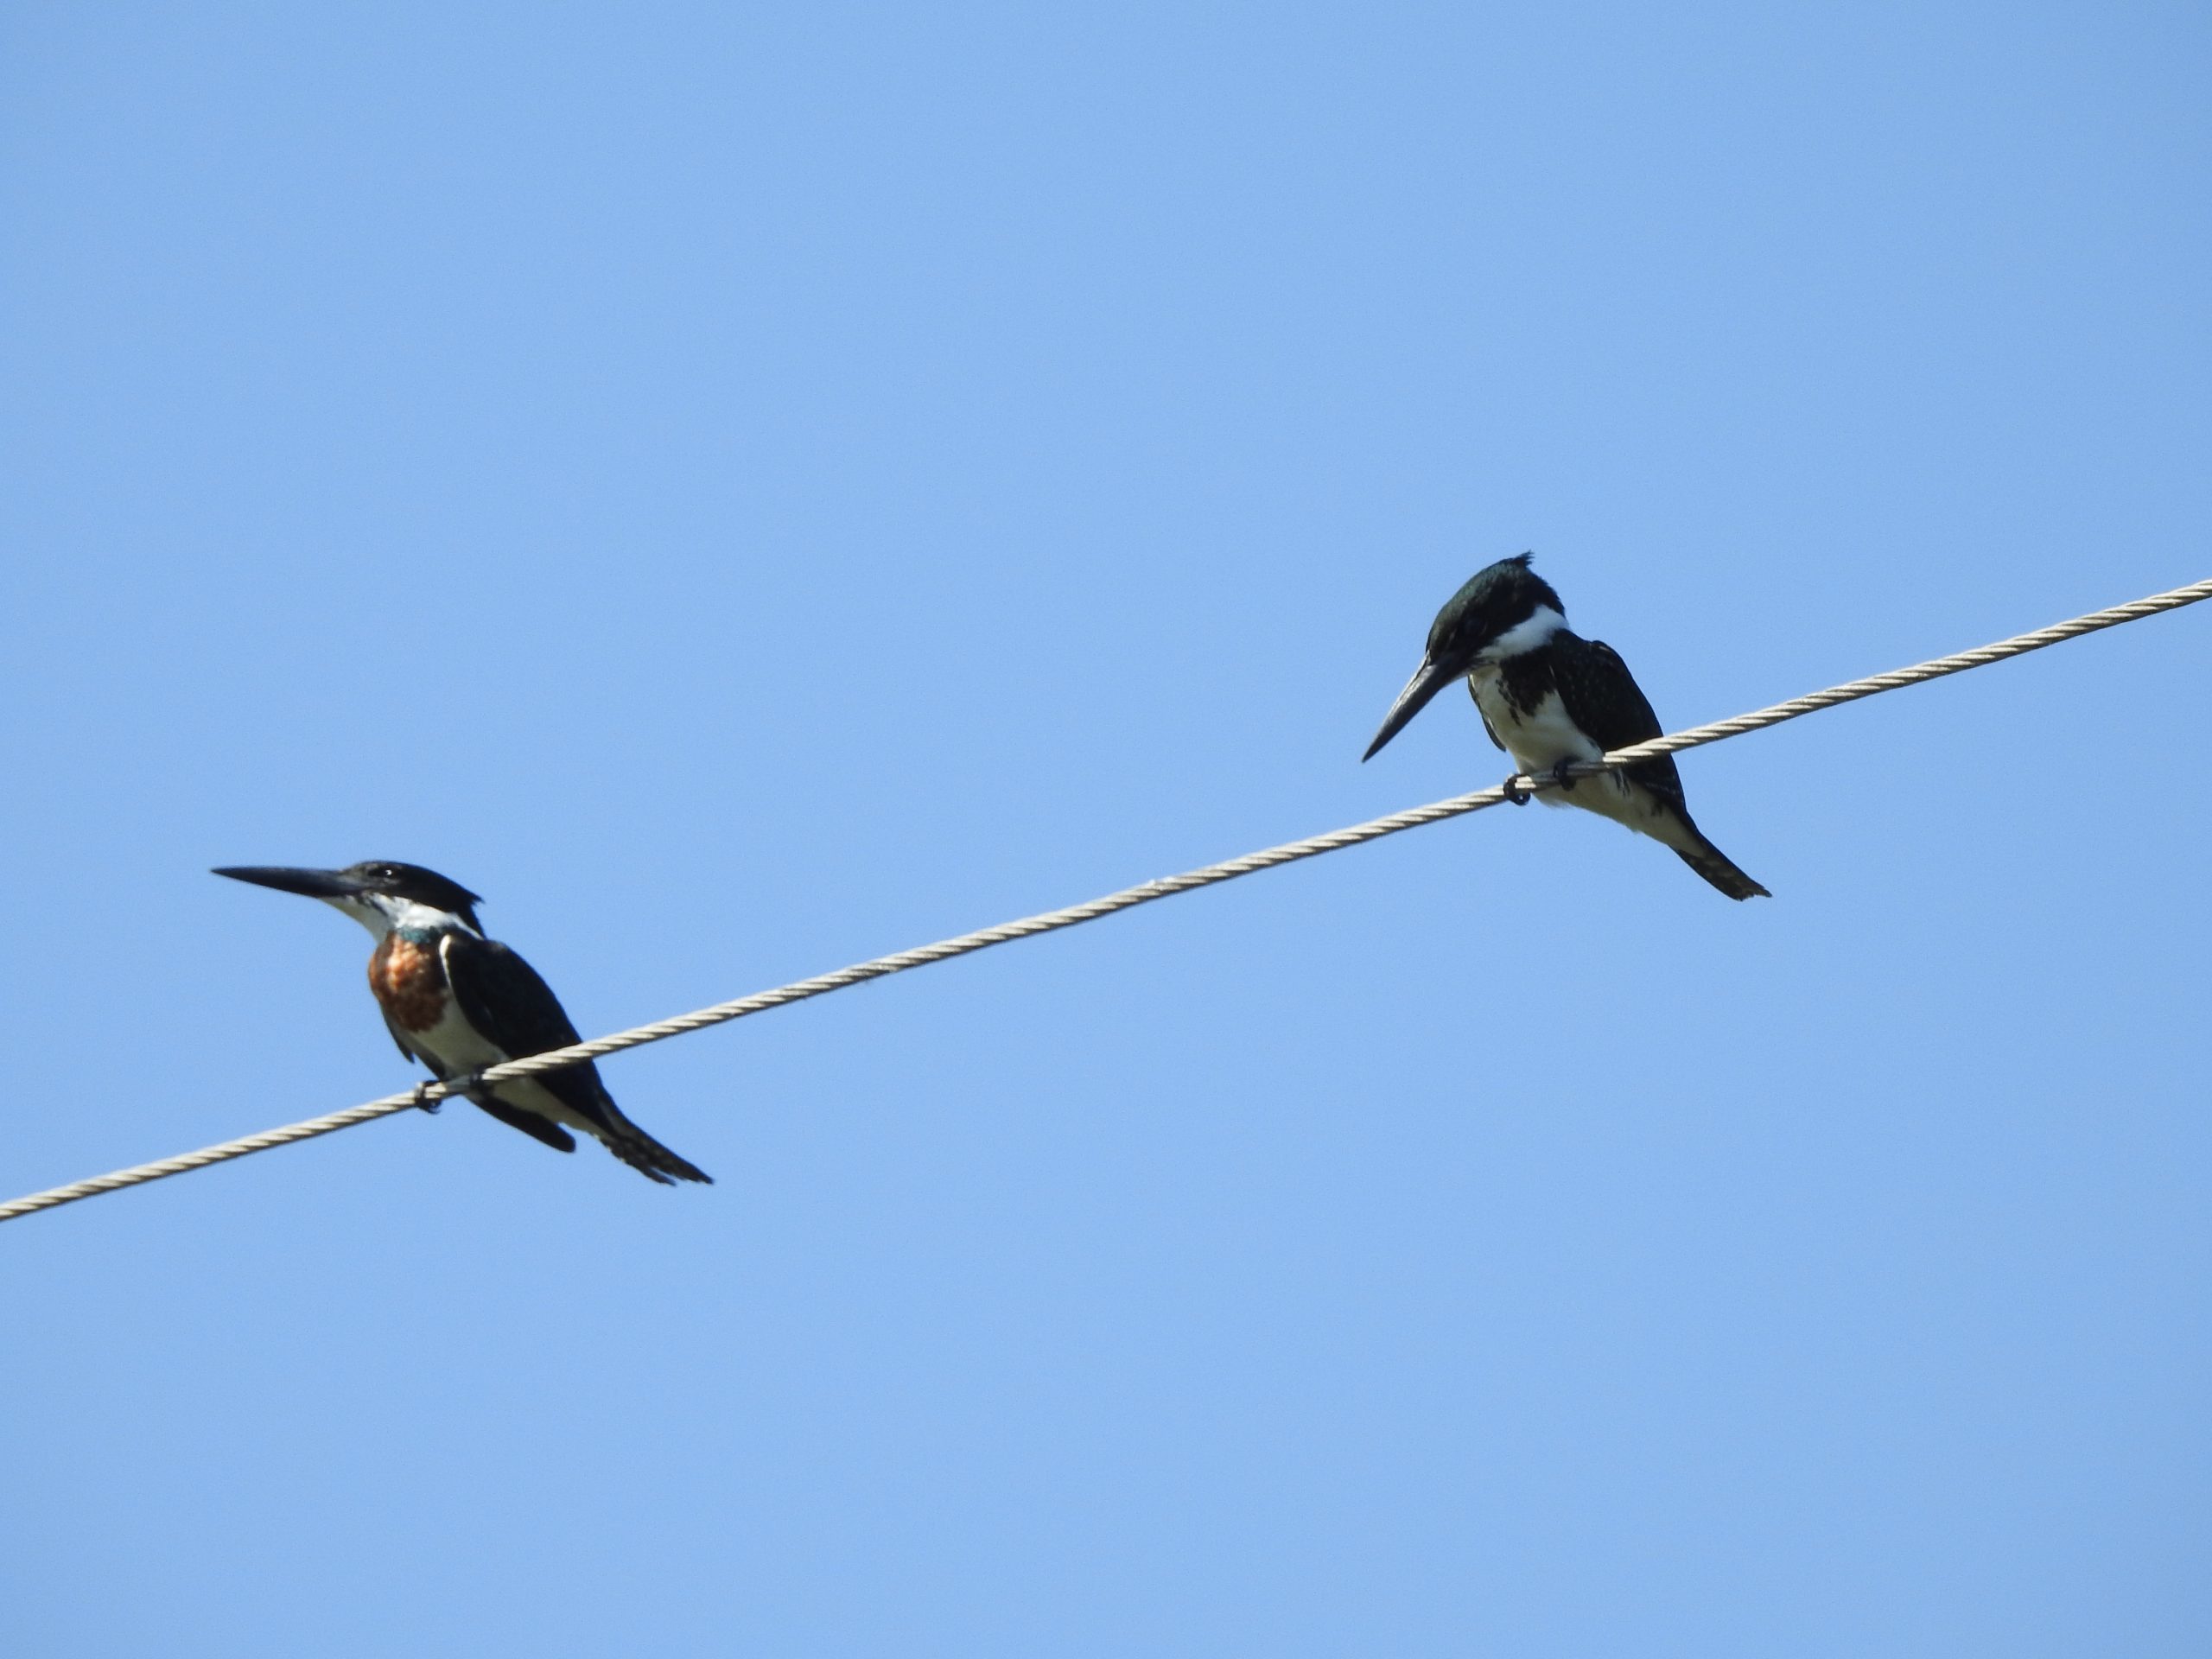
(748, 488)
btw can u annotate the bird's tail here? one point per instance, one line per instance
(1716, 867)
(1666, 820)
(647, 1156)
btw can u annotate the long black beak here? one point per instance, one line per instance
(1431, 677)
(312, 884)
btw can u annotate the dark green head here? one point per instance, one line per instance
(377, 892)
(1505, 608)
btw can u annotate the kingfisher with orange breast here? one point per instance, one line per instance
(460, 1002)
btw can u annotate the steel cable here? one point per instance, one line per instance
(1126, 899)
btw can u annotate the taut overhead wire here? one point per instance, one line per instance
(1126, 899)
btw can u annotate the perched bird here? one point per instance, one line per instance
(1549, 698)
(459, 1002)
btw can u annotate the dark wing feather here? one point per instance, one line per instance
(538, 1129)
(1602, 697)
(504, 998)
(407, 1049)
(1489, 731)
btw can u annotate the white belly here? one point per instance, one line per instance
(454, 1046)
(1537, 741)
(1540, 738)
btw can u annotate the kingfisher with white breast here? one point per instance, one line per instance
(459, 1002)
(1549, 697)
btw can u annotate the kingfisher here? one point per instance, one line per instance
(1549, 697)
(459, 1002)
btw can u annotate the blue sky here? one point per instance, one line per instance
(751, 489)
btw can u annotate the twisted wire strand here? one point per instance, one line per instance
(1126, 899)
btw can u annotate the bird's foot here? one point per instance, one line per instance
(1563, 774)
(422, 1101)
(1513, 792)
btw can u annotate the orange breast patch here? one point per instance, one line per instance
(408, 981)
